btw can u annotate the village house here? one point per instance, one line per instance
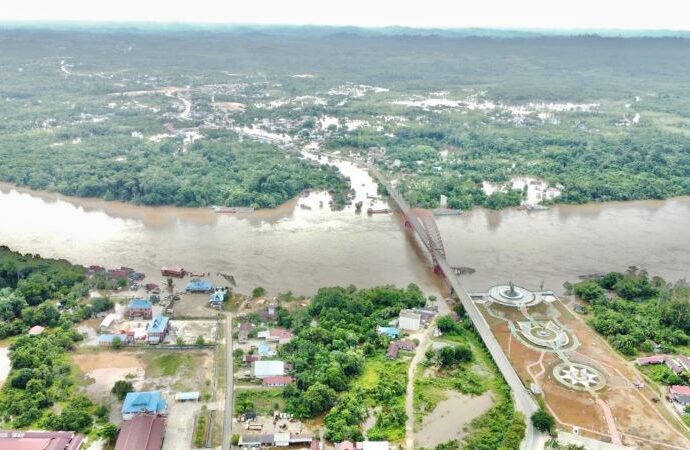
(391, 332)
(143, 402)
(197, 286)
(243, 333)
(143, 432)
(679, 394)
(139, 307)
(158, 329)
(169, 271)
(40, 440)
(263, 369)
(279, 335)
(265, 350)
(396, 346)
(410, 320)
(279, 381)
(217, 298)
(269, 314)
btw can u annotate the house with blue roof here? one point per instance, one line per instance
(157, 329)
(143, 402)
(139, 307)
(217, 298)
(197, 285)
(391, 332)
(265, 350)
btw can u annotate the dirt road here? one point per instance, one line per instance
(424, 344)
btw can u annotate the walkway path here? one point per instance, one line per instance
(424, 344)
(610, 422)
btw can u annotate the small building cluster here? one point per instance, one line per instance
(677, 363)
(274, 440)
(153, 332)
(416, 318)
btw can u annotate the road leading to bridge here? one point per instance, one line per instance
(523, 400)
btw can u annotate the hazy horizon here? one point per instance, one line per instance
(537, 15)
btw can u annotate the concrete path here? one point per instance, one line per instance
(423, 346)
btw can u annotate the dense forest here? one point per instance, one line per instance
(218, 170)
(635, 311)
(47, 292)
(202, 116)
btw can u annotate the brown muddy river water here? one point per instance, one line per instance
(300, 249)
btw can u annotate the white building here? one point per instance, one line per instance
(263, 369)
(373, 445)
(409, 320)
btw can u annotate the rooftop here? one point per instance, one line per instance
(143, 432)
(199, 285)
(158, 324)
(136, 402)
(281, 333)
(139, 303)
(679, 390)
(410, 314)
(40, 440)
(276, 380)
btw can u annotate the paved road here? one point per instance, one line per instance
(523, 399)
(229, 385)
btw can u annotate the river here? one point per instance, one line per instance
(300, 249)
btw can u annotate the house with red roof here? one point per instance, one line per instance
(277, 381)
(679, 394)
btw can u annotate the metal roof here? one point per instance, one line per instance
(158, 324)
(143, 432)
(136, 402)
(187, 396)
(139, 303)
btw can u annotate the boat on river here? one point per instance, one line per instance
(231, 209)
(446, 212)
(371, 211)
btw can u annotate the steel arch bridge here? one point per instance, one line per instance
(431, 234)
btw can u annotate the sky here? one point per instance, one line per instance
(514, 14)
